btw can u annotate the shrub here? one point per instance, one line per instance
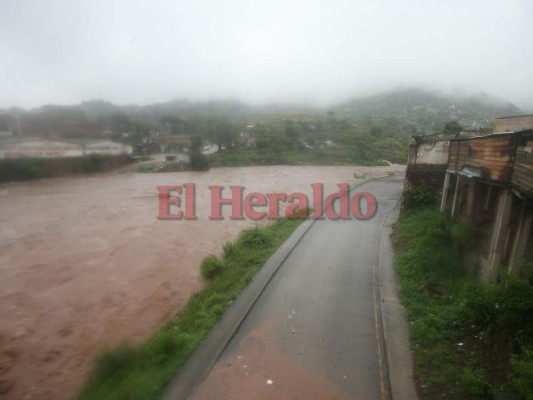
(198, 162)
(422, 196)
(118, 359)
(229, 249)
(168, 342)
(523, 372)
(92, 163)
(460, 232)
(506, 306)
(473, 383)
(211, 267)
(255, 238)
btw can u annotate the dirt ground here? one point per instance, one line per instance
(85, 263)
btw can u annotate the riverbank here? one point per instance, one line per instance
(27, 169)
(334, 155)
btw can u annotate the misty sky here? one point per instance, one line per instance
(127, 51)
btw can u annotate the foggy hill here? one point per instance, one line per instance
(411, 110)
(427, 110)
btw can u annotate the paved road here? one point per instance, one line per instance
(315, 331)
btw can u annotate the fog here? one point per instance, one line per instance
(319, 52)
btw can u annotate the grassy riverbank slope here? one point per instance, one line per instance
(469, 340)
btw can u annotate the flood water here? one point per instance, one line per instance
(85, 263)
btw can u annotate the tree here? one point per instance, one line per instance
(222, 132)
(196, 143)
(452, 127)
(197, 160)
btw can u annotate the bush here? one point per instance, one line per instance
(473, 383)
(92, 163)
(523, 372)
(168, 342)
(460, 232)
(116, 360)
(255, 238)
(23, 169)
(506, 307)
(198, 162)
(422, 196)
(211, 267)
(229, 249)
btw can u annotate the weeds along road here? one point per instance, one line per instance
(315, 331)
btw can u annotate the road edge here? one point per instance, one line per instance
(394, 318)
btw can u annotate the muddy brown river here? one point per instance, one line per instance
(85, 263)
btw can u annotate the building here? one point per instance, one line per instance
(27, 147)
(485, 185)
(513, 124)
(488, 186)
(426, 165)
(102, 147)
(172, 143)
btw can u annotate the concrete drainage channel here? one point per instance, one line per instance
(395, 332)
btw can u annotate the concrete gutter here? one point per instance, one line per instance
(395, 334)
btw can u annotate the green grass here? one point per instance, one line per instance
(239, 157)
(468, 339)
(144, 157)
(141, 371)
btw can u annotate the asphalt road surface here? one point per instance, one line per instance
(315, 332)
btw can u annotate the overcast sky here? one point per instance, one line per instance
(127, 51)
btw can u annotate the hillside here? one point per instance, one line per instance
(407, 111)
(426, 110)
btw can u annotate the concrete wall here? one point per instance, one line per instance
(108, 148)
(426, 167)
(40, 149)
(43, 148)
(434, 153)
(514, 124)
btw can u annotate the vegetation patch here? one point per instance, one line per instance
(172, 166)
(469, 340)
(24, 169)
(142, 371)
